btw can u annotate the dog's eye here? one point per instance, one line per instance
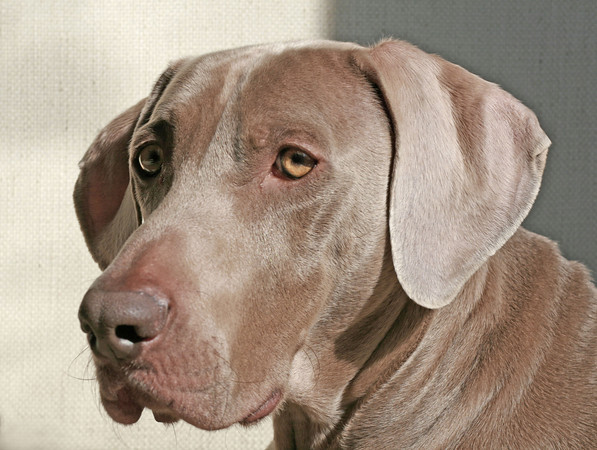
(294, 163)
(150, 159)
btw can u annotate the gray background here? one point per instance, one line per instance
(545, 54)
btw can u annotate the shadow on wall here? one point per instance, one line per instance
(546, 57)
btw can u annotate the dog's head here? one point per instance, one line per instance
(260, 200)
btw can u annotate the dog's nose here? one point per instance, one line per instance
(117, 323)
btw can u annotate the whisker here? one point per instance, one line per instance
(70, 367)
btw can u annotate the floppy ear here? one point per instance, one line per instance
(103, 195)
(467, 168)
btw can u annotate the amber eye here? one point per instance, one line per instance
(294, 163)
(150, 159)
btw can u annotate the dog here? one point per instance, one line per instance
(330, 234)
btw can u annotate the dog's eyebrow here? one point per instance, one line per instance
(161, 130)
(158, 90)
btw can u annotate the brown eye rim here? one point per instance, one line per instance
(150, 159)
(301, 160)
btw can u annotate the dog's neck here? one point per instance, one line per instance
(365, 355)
(335, 380)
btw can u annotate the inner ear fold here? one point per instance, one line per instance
(468, 165)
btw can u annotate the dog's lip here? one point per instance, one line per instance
(122, 406)
(164, 416)
(264, 410)
(125, 398)
(126, 405)
(126, 408)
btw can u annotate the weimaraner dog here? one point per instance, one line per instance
(330, 234)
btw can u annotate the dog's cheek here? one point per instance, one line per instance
(272, 323)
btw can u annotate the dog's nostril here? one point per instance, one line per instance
(128, 333)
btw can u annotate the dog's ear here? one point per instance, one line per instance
(103, 195)
(467, 167)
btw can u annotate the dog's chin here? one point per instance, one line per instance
(124, 400)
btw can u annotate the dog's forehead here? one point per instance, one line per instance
(279, 79)
(201, 81)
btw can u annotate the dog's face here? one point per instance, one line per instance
(261, 179)
(250, 195)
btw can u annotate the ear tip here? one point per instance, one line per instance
(429, 300)
(542, 146)
(426, 286)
